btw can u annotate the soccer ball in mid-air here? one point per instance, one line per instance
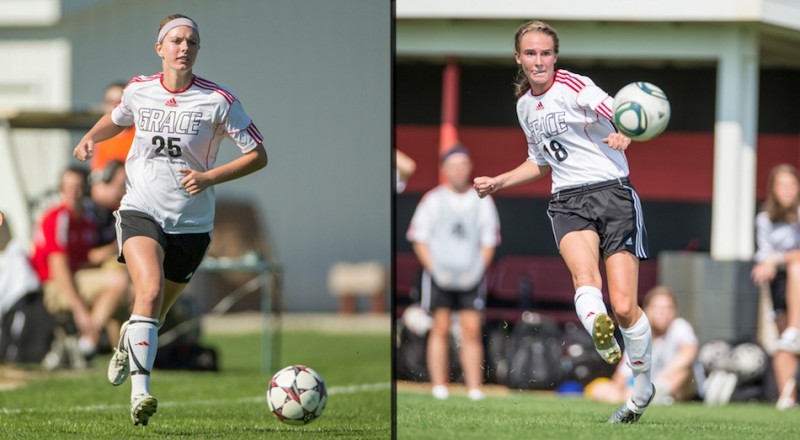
(641, 111)
(296, 395)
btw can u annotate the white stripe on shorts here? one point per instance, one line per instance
(425, 291)
(637, 206)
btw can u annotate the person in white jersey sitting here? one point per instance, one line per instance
(777, 265)
(167, 214)
(454, 234)
(594, 210)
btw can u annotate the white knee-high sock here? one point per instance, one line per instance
(142, 342)
(639, 346)
(588, 304)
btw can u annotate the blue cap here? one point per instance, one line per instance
(456, 149)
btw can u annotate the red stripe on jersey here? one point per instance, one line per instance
(254, 133)
(574, 78)
(209, 85)
(228, 97)
(145, 78)
(258, 132)
(604, 110)
(576, 83)
(568, 84)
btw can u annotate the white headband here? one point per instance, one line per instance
(175, 23)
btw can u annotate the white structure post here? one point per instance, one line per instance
(733, 207)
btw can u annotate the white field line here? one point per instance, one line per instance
(332, 391)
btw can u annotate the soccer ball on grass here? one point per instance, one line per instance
(641, 111)
(296, 395)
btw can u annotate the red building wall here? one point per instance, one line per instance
(676, 166)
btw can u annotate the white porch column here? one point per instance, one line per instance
(733, 209)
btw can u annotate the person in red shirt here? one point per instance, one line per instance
(64, 251)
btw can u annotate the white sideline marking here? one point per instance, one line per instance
(332, 391)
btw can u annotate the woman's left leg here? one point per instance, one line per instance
(622, 273)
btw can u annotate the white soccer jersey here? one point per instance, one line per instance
(565, 127)
(775, 239)
(177, 130)
(455, 226)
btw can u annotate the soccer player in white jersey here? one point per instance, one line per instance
(594, 210)
(777, 265)
(454, 233)
(165, 220)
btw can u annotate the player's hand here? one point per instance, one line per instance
(763, 272)
(193, 181)
(84, 150)
(617, 141)
(484, 185)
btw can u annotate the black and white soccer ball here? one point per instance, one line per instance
(749, 361)
(715, 355)
(641, 111)
(296, 395)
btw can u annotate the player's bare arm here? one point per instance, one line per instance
(423, 253)
(196, 182)
(104, 129)
(525, 173)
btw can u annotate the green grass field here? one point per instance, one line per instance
(528, 415)
(228, 404)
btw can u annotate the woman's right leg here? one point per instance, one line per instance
(437, 352)
(581, 252)
(784, 365)
(144, 258)
(785, 362)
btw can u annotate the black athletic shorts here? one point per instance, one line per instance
(433, 297)
(611, 208)
(183, 253)
(777, 289)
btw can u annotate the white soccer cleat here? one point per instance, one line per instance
(118, 368)
(440, 392)
(790, 340)
(786, 400)
(475, 394)
(604, 341)
(143, 406)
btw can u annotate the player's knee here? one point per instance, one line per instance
(586, 278)
(793, 268)
(440, 327)
(625, 310)
(471, 332)
(150, 293)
